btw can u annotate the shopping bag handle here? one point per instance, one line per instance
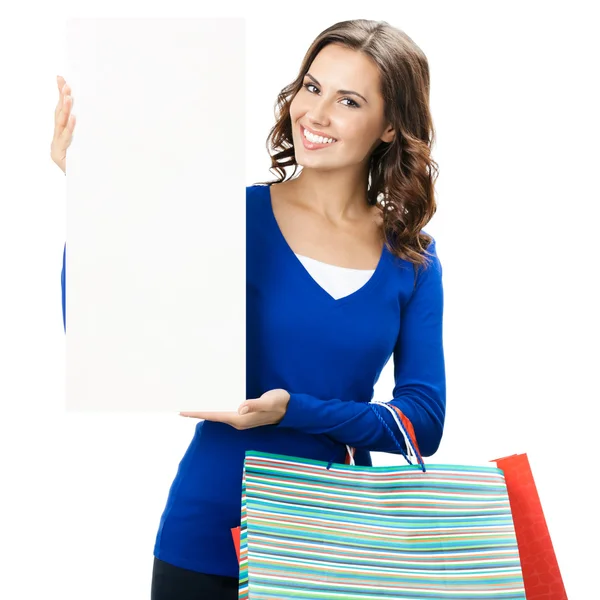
(413, 453)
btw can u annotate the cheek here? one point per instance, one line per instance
(297, 109)
(354, 133)
(367, 132)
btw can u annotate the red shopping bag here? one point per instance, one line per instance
(541, 574)
(235, 533)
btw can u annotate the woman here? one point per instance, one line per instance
(340, 277)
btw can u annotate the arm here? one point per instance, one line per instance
(420, 383)
(63, 282)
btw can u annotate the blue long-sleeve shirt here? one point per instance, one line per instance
(328, 354)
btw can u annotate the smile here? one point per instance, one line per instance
(313, 141)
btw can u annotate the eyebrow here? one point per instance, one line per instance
(349, 92)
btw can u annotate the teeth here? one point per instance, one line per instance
(317, 139)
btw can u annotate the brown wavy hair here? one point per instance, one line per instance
(402, 172)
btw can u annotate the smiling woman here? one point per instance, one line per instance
(356, 119)
(361, 99)
(341, 277)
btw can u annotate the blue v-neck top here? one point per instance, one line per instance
(328, 354)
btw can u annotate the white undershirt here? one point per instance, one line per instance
(336, 281)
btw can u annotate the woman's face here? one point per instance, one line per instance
(340, 99)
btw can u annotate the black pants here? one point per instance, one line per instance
(174, 583)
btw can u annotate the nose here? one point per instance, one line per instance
(318, 113)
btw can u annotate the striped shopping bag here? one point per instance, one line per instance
(316, 530)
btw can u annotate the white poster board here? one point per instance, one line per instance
(156, 215)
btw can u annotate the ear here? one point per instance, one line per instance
(389, 134)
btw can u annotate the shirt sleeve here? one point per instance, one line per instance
(420, 383)
(63, 281)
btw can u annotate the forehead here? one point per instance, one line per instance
(341, 67)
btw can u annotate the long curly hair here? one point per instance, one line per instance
(402, 172)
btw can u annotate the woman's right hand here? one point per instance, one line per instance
(64, 123)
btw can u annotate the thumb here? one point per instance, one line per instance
(247, 407)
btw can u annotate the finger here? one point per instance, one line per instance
(62, 89)
(228, 418)
(63, 108)
(67, 132)
(251, 406)
(60, 82)
(208, 415)
(61, 117)
(65, 123)
(64, 113)
(193, 415)
(257, 405)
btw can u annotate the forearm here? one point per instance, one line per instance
(360, 425)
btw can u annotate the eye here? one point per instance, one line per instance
(352, 105)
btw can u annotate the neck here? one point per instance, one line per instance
(335, 195)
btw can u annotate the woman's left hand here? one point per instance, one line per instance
(269, 409)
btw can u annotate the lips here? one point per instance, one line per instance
(314, 145)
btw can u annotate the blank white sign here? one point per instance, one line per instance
(156, 259)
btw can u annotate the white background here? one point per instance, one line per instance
(514, 99)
